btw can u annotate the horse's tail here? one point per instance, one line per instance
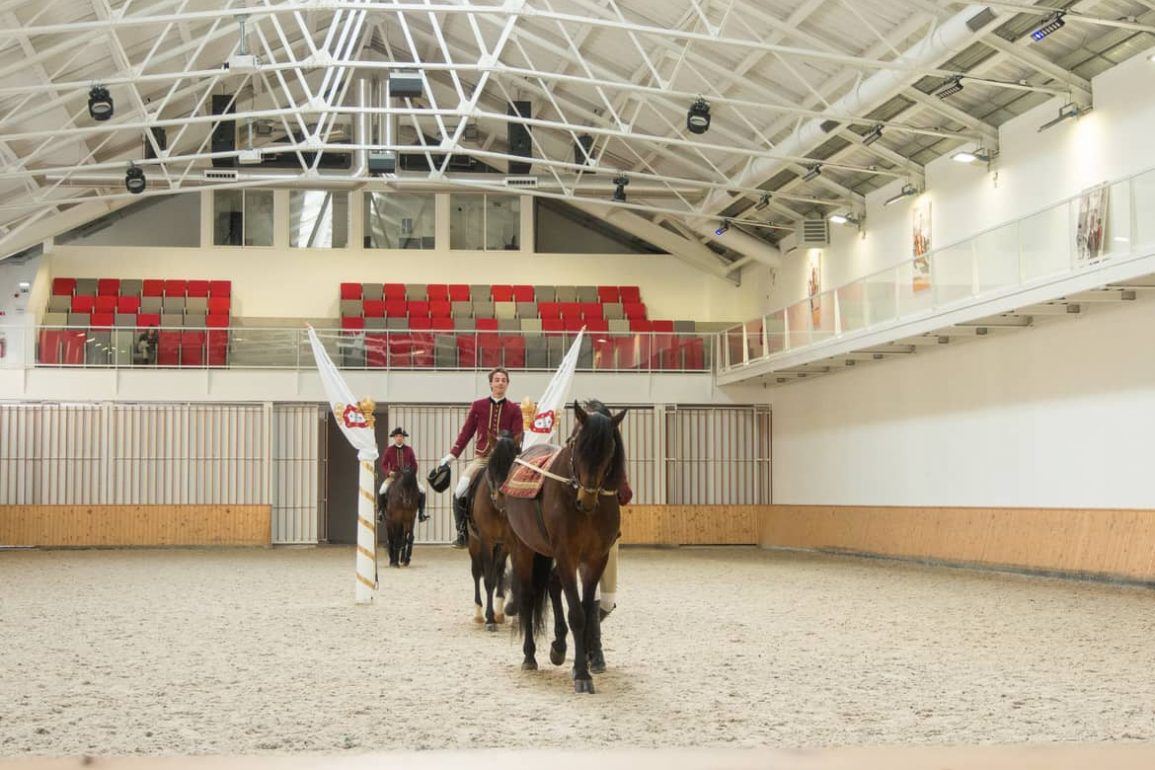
(538, 593)
(500, 461)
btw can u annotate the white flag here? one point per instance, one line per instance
(553, 400)
(349, 417)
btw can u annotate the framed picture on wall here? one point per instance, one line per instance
(920, 280)
(1091, 229)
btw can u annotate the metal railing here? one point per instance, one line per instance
(1034, 249)
(371, 349)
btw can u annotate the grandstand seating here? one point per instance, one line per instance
(96, 321)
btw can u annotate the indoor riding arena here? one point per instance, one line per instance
(631, 383)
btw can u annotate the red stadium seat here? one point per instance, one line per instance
(219, 305)
(440, 309)
(572, 324)
(48, 351)
(104, 303)
(127, 305)
(418, 308)
(664, 327)
(486, 324)
(488, 350)
(107, 287)
(607, 294)
(350, 291)
(458, 292)
(217, 342)
(634, 310)
(377, 350)
(352, 323)
(501, 293)
(192, 348)
(441, 323)
(152, 287)
(604, 353)
(548, 310)
(570, 310)
(82, 303)
(102, 319)
(437, 292)
(394, 291)
(640, 325)
(400, 346)
(198, 288)
(591, 310)
(220, 288)
(552, 325)
(73, 344)
(168, 347)
(523, 293)
(63, 286)
(147, 320)
(175, 287)
(594, 325)
(630, 294)
(396, 308)
(466, 351)
(513, 348)
(693, 353)
(420, 322)
(373, 308)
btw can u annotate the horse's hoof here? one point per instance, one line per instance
(597, 662)
(490, 626)
(405, 563)
(583, 685)
(477, 616)
(529, 664)
(556, 654)
(510, 608)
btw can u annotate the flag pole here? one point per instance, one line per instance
(366, 585)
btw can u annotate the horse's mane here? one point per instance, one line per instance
(599, 431)
(500, 460)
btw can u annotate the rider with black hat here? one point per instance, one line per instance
(396, 458)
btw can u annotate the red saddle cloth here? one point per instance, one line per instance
(526, 482)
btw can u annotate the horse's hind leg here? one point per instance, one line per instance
(407, 548)
(582, 681)
(591, 574)
(475, 566)
(487, 561)
(557, 648)
(499, 560)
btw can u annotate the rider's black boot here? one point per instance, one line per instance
(461, 518)
(421, 507)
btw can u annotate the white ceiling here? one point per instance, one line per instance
(624, 71)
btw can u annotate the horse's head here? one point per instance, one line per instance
(596, 458)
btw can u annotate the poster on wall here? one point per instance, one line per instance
(921, 233)
(814, 288)
(1092, 226)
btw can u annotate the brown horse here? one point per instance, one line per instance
(489, 534)
(399, 505)
(572, 524)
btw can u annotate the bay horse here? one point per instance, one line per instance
(399, 506)
(489, 534)
(564, 534)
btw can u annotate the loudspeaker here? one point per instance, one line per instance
(583, 150)
(518, 137)
(224, 137)
(161, 137)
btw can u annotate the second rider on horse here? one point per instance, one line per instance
(396, 458)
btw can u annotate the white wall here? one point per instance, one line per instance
(1056, 416)
(1034, 170)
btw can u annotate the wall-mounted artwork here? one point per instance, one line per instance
(921, 241)
(1091, 230)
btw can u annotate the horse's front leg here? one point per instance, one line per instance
(499, 559)
(591, 573)
(582, 681)
(475, 567)
(487, 571)
(557, 648)
(407, 548)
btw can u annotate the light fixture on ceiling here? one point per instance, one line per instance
(872, 137)
(583, 150)
(100, 105)
(950, 87)
(134, 180)
(698, 118)
(723, 228)
(620, 183)
(812, 173)
(1066, 112)
(908, 191)
(763, 202)
(1053, 23)
(978, 155)
(844, 219)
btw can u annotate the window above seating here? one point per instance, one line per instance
(484, 222)
(399, 220)
(318, 219)
(243, 218)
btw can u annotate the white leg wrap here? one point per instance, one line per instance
(462, 486)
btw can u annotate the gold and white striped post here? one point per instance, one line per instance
(366, 585)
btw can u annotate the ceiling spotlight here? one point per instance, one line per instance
(763, 202)
(950, 87)
(99, 103)
(1052, 24)
(698, 118)
(908, 191)
(134, 180)
(812, 172)
(1066, 112)
(872, 137)
(723, 228)
(620, 183)
(844, 219)
(976, 155)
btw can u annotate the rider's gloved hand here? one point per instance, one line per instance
(447, 459)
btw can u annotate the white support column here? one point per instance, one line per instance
(526, 233)
(660, 454)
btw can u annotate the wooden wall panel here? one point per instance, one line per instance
(1099, 542)
(690, 524)
(132, 525)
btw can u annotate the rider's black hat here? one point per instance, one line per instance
(439, 478)
(398, 431)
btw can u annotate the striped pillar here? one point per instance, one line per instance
(366, 585)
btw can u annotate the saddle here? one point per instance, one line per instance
(526, 482)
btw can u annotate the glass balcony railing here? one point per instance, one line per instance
(393, 349)
(1062, 240)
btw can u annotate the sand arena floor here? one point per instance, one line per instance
(263, 651)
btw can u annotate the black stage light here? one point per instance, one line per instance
(99, 103)
(134, 180)
(698, 118)
(872, 137)
(620, 183)
(812, 173)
